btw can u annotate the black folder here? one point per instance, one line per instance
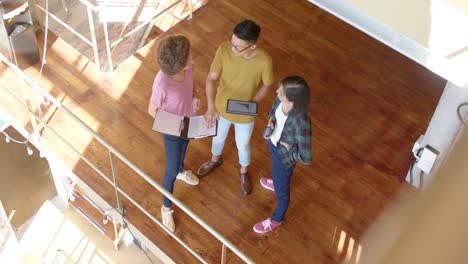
(241, 107)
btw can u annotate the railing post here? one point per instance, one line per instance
(116, 233)
(31, 105)
(92, 30)
(190, 2)
(108, 48)
(114, 177)
(223, 254)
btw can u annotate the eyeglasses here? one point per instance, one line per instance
(240, 49)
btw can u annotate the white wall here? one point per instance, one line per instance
(421, 19)
(462, 5)
(430, 32)
(411, 18)
(443, 132)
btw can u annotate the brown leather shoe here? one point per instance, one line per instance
(208, 167)
(246, 187)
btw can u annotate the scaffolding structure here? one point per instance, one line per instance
(108, 31)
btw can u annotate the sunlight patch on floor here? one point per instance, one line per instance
(347, 248)
(54, 236)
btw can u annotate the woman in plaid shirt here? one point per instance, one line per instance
(289, 142)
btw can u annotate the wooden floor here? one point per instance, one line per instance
(365, 120)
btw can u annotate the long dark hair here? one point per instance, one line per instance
(297, 91)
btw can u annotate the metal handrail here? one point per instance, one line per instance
(100, 173)
(113, 151)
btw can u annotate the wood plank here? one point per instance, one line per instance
(365, 121)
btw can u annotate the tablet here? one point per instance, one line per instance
(241, 107)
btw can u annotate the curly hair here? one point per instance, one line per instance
(173, 53)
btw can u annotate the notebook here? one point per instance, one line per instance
(185, 127)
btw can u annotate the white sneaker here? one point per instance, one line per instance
(188, 177)
(167, 219)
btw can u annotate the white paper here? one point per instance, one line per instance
(167, 123)
(198, 128)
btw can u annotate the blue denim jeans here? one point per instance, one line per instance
(281, 181)
(175, 148)
(243, 133)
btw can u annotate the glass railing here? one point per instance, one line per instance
(11, 94)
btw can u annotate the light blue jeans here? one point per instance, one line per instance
(242, 132)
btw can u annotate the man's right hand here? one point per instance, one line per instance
(210, 116)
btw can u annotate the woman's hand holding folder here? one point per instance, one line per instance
(211, 116)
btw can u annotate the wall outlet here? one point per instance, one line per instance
(427, 159)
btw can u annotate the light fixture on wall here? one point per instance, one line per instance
(106, 218)
(72, 197)
(9, 139)
(29, 150)
(27, 143)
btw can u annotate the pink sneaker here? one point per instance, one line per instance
(267, 183)
(265, 226)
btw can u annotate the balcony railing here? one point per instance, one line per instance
(88, 24)
(113, 154)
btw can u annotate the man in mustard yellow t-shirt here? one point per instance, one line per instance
(245, 73)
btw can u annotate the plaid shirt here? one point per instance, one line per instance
(297, 132)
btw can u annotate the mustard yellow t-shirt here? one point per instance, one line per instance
(240, 79)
